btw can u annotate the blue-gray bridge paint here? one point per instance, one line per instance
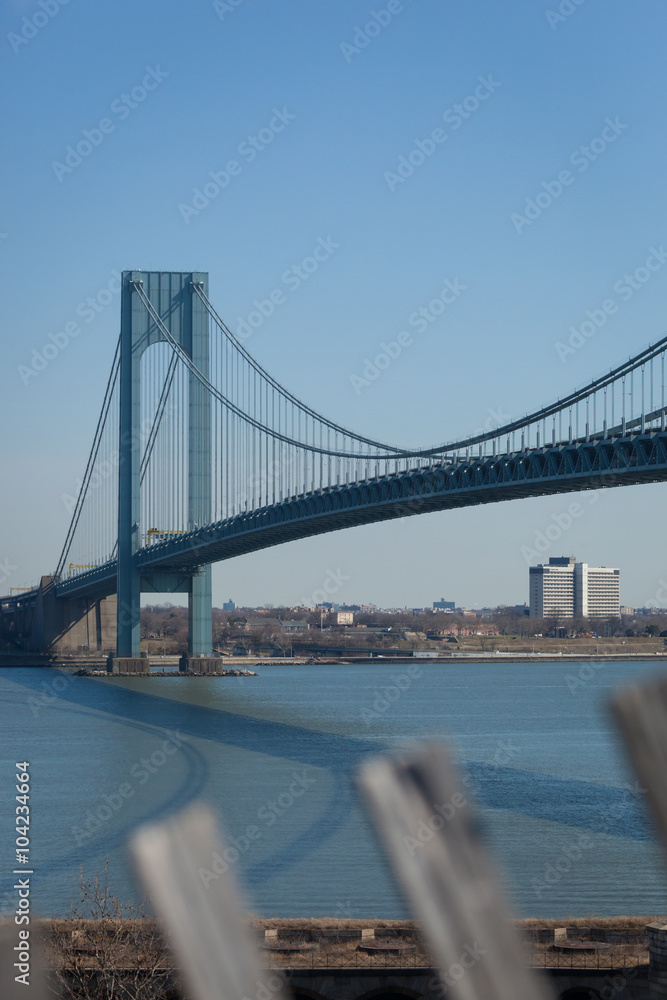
(173, 297)
(586, 465)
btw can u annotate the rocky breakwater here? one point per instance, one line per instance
(85, 672)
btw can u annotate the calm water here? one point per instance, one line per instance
(541, 759)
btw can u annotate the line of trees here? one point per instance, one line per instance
(166, 627)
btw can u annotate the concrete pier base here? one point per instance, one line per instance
(201, 664)
(128, 665)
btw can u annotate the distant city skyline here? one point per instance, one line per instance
(625, 609)
(443, 606)
(321, 597)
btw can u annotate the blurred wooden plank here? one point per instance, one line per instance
(36, 986)
(181, 862)
(640, 712)
(431, 835)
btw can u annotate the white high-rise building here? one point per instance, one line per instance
(597, 591)
(568, 589)
(552, 589)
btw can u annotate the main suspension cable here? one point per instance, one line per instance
(252, 421)
(281, 389)
(574, 397)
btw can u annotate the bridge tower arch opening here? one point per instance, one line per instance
(174, 299)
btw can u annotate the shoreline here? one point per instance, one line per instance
(234, 663)
(541, 929)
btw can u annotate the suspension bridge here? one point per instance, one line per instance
(199, 455)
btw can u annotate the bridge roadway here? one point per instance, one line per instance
(621, 460)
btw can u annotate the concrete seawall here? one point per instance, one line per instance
(331, 959)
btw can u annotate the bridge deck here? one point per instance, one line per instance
(584, 465)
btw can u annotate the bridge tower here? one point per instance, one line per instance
(173, 297)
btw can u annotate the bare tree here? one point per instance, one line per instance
(108, 950)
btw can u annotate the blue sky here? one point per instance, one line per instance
(357, 87)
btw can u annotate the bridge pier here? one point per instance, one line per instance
(200, 614)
